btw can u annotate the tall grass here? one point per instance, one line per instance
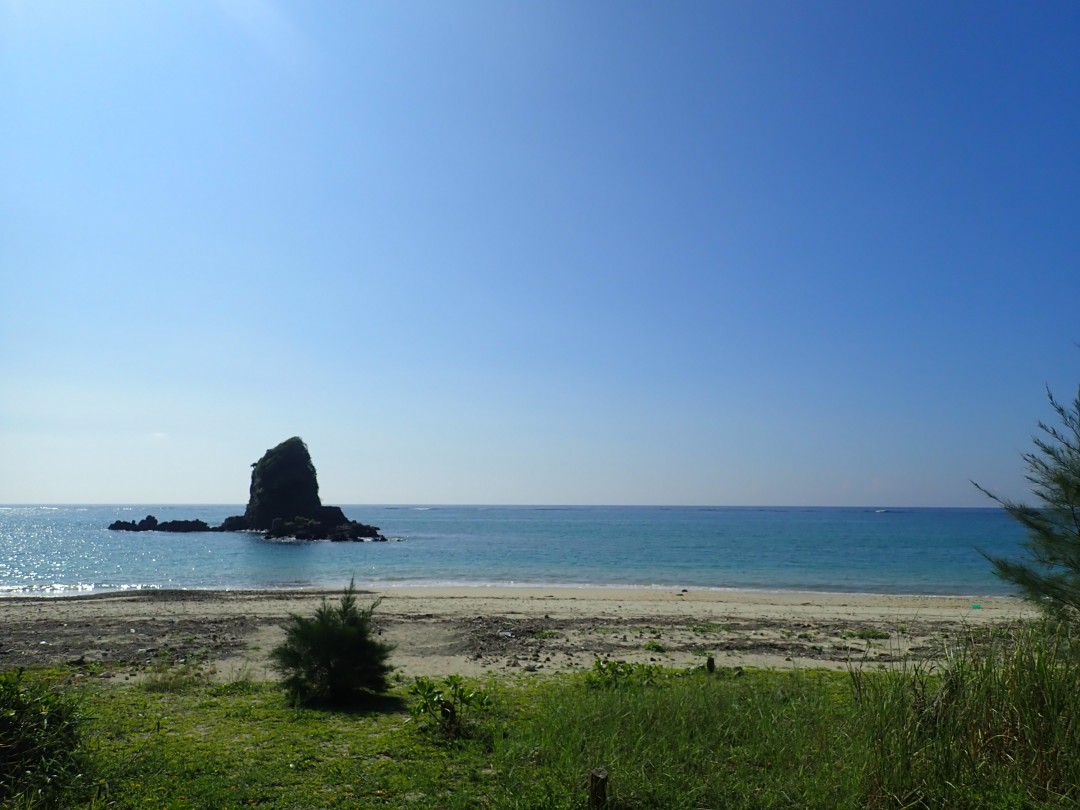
(996, 725)
(41, 734)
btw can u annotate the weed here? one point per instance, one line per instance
(610, 674)
(444, 702)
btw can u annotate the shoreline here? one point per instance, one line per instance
(475, 631)
(382, 585)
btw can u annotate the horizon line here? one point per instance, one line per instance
(507, 505)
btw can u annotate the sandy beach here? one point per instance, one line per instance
(479, 630)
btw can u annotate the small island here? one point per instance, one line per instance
(283, 503)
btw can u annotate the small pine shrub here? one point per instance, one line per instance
(333, 659)
(40, 735)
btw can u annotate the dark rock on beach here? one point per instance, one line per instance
(283, 503)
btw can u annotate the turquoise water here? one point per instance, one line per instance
(67, 549)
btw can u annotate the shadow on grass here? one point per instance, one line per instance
(363, 705)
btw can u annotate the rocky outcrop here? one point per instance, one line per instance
(283, 502)
(284, 485)
(151, 524)
(147, 524)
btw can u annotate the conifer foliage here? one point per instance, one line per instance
(334, 658)
(1050, 576)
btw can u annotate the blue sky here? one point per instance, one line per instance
(536, 252)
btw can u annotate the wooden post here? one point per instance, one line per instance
(598, 789)
(710, 664)
(449, 716)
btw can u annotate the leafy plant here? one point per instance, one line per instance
(1050, 576)
(609, 674)
(445, 702)
(334, 658)
(41, 731)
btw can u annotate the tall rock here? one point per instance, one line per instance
(283, 485)
(283, 502)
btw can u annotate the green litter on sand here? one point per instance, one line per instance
(976, 607)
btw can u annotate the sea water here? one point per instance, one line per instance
(56, 550)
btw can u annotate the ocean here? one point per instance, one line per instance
(60, 550)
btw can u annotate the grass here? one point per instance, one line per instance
(41, 734)
(994, 726)
(166, 677)
(868, 634)
(685, 740)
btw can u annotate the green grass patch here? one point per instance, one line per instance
(166, 677)
(996, 725)
(687, 740)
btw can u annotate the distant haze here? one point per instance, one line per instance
(570, 253)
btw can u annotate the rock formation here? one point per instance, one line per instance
(150, 524)
(283, 502)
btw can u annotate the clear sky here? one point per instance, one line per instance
(745, 253)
